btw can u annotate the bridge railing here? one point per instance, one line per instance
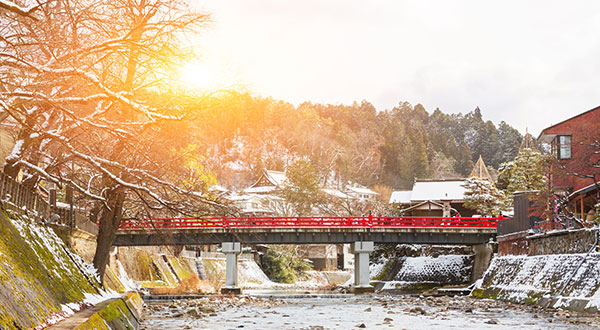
(303, 222)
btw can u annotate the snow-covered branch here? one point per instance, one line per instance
(14, 8)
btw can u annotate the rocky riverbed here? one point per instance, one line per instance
(355, 312)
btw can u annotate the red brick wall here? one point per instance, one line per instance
(513, 244)
(581, 129)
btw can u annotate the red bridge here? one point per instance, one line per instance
(304, 222)
(306, 230)
(363, 232)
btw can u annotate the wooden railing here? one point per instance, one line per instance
(26, 198)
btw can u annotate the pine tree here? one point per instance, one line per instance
(483, 196)
(525, 173)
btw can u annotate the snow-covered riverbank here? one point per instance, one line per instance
(348, 312)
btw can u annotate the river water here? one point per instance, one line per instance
(264, 311)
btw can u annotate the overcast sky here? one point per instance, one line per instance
(529, 63)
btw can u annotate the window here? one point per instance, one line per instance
(563, 147)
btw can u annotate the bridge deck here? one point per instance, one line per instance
(307, 230)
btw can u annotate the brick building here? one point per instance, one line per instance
(576, 144)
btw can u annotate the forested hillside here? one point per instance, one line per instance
(240, 135)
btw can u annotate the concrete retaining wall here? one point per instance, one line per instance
(115, 314)
(421, 268)
(539, 280)
(38, 275)
(42, 281)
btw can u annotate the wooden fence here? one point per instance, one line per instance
(23, 197)
(28, 199)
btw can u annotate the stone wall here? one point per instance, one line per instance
(414, 267)
(540, 279)
(560, 242)
(552, 242)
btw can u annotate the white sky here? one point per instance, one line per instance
(530, 63)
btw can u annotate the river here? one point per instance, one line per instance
(332, 311)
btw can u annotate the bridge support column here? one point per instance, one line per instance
(231, 251)
(483, 257)
(361, 252)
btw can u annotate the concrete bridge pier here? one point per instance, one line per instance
(361, 252)
(231, 251)
(483, 257)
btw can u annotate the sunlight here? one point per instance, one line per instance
(208, 75)
(198, 75)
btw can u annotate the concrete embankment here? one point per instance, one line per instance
(117, 313)
(416, 268)
(550, 270)
(157, 270)
(41, 280)
(547, 280)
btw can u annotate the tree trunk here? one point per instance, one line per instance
(108, 226)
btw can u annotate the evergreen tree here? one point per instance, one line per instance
(464, 160)
(510, 140)
(301, 188)
(483, 196)
(525, 173)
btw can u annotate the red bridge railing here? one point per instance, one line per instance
(303, 222)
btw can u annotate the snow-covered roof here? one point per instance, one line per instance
(259, 190)
(218, 188)
(401, 197)
(359, 190)
(255, 210)
(436, 190)
(245, 197)
(335, 193)
(425, 205)
(277, 177)
(235, 198)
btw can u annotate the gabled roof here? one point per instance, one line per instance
(268, 178)
(259, 190)
(277, 177)
(335, 193)
(359, 190)
(437, 190)
(400, 197)
(564, 121)
(419, 205)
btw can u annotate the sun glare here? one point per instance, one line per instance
(208, 76)
(198, 75)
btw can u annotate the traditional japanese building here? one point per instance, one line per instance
(267, 183)
(438, 197)
(433, 198)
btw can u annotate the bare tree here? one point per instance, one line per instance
(81, 82)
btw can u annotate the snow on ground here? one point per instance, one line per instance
(455, 268)
(377, 266)
(519, 278)
(129, 284)
(251, 276)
